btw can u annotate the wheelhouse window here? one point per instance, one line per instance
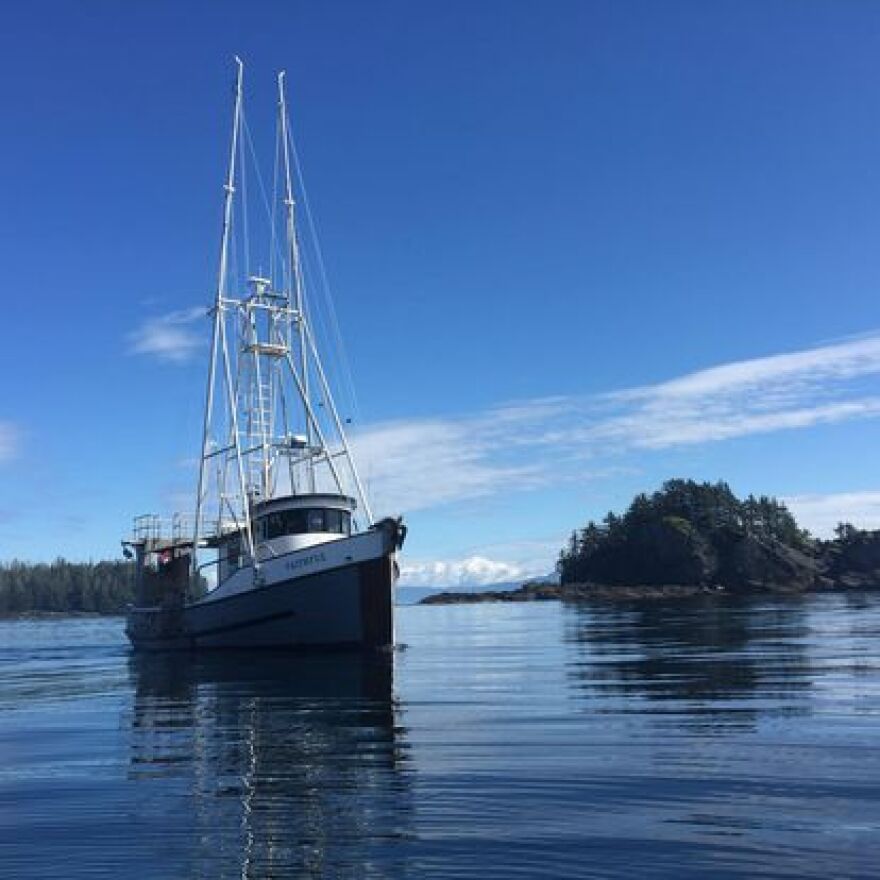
(301, 522)
(334, 521)
(285, 522)
(338, 521)
(233, 552)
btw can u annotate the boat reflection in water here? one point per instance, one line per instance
(282, 765)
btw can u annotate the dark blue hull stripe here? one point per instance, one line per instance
(244, 624)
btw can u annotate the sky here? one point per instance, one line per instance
(575, 248)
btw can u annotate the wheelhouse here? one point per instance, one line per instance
(285, 525)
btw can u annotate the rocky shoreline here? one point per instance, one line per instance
(543, 592)
(698, 539)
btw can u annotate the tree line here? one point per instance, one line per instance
(99, 587)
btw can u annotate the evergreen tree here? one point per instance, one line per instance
(694, 515)
(105, 587)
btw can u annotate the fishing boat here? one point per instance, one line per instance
(282, 550)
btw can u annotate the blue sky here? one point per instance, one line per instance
(576, 248)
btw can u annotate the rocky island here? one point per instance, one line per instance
(690, 538)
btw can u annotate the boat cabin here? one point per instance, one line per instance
(284, 525)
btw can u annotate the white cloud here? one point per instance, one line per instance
(843, 360)
(759, 395)
(170, 338)
(654, 427)
(9, 441)
(477, 571)
(821, 513)
(421, 463)
(418, 464)
(485, 564)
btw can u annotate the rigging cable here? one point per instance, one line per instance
(244, 200)
(336, 338)
(268, 207)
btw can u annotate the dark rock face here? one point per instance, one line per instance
(660, 554)
(672, 551)
(853, 560)
(747, 563)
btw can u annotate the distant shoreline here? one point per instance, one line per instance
(53, 615)
(604, 593)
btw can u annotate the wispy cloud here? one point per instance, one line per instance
(423, 463)
(760, 395)
(9, 441)
(657, 426)
(172, 338)
(821, 513)
(809, 367)
(418, 464)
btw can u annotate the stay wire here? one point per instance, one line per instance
(268, 207)
(243, 201)
(325, 285)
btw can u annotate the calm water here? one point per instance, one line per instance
(712, 739)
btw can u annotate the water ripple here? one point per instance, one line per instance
(713, 738)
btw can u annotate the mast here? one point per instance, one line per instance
(218, 322)
(267, 381)
(296, 267)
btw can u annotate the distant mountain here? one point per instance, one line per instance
(407, 595)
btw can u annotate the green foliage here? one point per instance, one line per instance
(679, 524)
(101, 587)
(676, 535)
(847, 533)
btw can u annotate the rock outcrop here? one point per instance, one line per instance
(692, 538)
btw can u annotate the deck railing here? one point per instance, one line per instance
(177, 527)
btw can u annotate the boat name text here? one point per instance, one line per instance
(305, 561)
